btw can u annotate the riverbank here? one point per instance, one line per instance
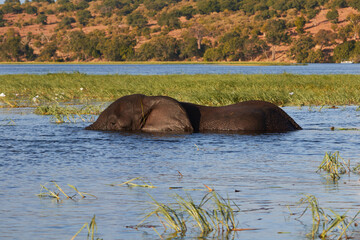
(207, 89)
(245, 63)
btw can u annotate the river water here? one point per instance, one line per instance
(262, 174)
(161, 69)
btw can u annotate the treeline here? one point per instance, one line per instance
(141, 30)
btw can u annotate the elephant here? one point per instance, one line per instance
(138, 112)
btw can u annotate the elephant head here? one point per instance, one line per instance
(145, 113)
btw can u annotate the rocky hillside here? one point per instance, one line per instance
(168, 30)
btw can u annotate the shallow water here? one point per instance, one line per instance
(269, 172)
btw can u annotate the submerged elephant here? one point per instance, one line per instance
(165, 114)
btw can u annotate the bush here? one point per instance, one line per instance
(83, 17)
(208, 6)
(41, 19)
(332, 16)
(170, 20)
(66, 22)
(136, 19)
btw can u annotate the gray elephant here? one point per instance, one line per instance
(164, 114)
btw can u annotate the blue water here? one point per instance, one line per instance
(269, 173)
(162, 69)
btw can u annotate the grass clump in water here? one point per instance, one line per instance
(212, 213)
(326, 225)
(92, 229)
(45, 192)
(334, 165)
(62, 114)
(131, 184)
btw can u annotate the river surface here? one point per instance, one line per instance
(163, 69)
(262, 174)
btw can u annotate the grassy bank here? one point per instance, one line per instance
(281, 89)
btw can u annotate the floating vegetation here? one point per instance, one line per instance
(344, 129)
(62, 114)
(92, 229)
(334, 165)
(324, 224)
(131, 184)
(213, 213)
(45, 192)
(7, 122)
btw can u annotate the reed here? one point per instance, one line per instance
(212, 213)
(92, 229)
(324, 224)
(334, 165)
(62, 114)
(131, 184)
(215, 90)
(46, 192)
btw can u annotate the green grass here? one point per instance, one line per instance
(62, 114)
(215, 90)
(327, 223)
(92, 229)
(334, 165)
(212, 213)
(54, 192)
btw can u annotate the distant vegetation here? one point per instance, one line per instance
(177, 30)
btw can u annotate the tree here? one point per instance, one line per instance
(354, 20)
(13, 49)
(29, 9)
(324, 38)
(66, 22)
(162, 48)
(48, 53)
(83, 17)
(332, 16)
(208, 6)
(275, 34)
(199, 32)
(41, 19)
(189, 48)
(76, 45)
(136, 19)
(355, 4)
(342, 52)
(2, 21)
(169, 19)
(300, 24)
(119, 48)
(301, 49)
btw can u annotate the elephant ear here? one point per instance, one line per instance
(164, 114)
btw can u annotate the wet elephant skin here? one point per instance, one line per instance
(164, 114)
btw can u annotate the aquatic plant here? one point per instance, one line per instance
(334, 165)
(92, 229)
(61, 114)
(212, 213)
(45, 192)
(325, 224)
(211, 89)
(131, 184)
